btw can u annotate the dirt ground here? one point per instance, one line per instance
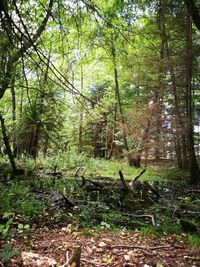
(106, 248)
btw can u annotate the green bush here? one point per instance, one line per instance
(16, 198)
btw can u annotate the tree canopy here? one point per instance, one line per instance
(104, 78)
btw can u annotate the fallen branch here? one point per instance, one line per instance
(153, 190)
(133, 181)
(139, 247)
(194, 191)
(68, 203)
(77, 171)
(123, 181)
(142, 215)
(196, 258)
(146, 215)
(95, 263)
(80, 171)
(138, 176)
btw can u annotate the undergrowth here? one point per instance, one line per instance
(17, 198)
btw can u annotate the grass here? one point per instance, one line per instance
(68, 163)
(194, 240)
(16, 196)
(105, 168)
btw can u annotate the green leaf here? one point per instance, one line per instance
(20, 226)
(26, 226)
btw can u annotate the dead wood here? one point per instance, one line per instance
(146, 215)
(141, 216)
(68, 203)
(194, 191)
(94, 263)
(74, 260)
(153, 190)
(138, 176)
(77, 172)
(123, 181)
(132, 183)
(84, 180)
(95, 183)
(80, 171)
(139, 247)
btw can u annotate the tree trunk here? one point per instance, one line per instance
(193, 166)
(12, 89)
(7, 145)
(113, 133)
(80, 132)
(180, 138)
(193, 11)
(117, 95)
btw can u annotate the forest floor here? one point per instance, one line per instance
(108, 248)
(113, 225)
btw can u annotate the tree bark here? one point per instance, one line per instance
(117, 95)
(7, 145)
(193, 165)
(13, 95)
(193, 11)
(80, 132)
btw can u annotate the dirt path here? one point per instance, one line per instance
(128, 249)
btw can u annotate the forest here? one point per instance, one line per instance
(99, 133)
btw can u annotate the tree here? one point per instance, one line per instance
(193, 11)
(26, 40)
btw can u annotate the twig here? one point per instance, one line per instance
(146, 215)
(68, 203)
(139, 247)
(194, 191)
(77, 171)
(142, 215)
(123, 181)
(95, 183)
(67, 259)
(138, 176)
(83, 171)
(196, 258)
(153, 190)
(94, 262)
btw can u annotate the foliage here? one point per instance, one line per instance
(194, 240)
(16, 198)
(8, 252)
(7, 220)
(23, 228)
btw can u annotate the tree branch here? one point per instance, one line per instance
(27, 44)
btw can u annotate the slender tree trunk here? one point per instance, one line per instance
(113, 132)
(120, 108)
(7, 145)
(158, 92)
(80, 132)
(180, 138)
(193, 166)
(118, 97)
(13, 95)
